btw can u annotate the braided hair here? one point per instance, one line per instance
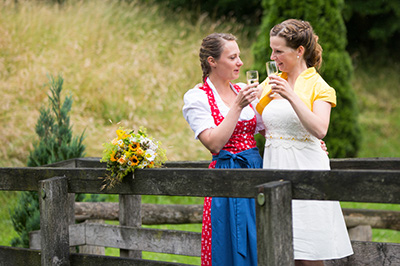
(212, 45)
(300, 33)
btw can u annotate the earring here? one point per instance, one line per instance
(298, 57)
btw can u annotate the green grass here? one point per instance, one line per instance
(7, 202)
(131, 64)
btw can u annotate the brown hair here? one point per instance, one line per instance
(212, 45)
(300, 33)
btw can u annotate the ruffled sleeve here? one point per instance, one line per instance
(325, 93)
(197, 112)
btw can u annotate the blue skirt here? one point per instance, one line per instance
(233, 220)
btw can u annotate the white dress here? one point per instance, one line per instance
(319, 229)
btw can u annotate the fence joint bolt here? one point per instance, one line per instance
(261, 199)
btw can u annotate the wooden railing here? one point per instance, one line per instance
(359, 180)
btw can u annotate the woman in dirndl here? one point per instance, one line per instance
(223, 118)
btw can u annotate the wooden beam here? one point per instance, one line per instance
(274, 224)
(130, 214)
(96, 260)
(76, 236)
(19, 256)
(151, 213)
(153, 240)
(54, 221)
(383, 163)
(344, 185)
(383, 219)
(370, 253)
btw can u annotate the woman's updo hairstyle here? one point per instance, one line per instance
(297, 32)
(212, 45)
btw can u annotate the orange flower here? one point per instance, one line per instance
(139, 151)
(122, 160)
(112, 157)
(134, 160)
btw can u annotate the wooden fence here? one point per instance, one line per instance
(359, 180)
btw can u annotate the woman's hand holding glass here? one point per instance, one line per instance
(249, 92)
(272, 70)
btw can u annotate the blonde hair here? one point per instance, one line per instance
(212, 45)
(300, 33)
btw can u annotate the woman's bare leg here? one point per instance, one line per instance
(308, 263)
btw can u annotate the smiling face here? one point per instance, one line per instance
(284, 56)
(227, 66)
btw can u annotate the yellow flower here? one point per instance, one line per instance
(121, 133)
(114, 141)
(134, 146)
(134, 160)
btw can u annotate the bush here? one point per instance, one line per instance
(343, 139)
(55, 144)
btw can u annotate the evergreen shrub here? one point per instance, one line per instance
(55, 144)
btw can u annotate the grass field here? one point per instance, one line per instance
(130, 64)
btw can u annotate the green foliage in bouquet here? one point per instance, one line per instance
(130, 151)
(55, 144)
(344, 136)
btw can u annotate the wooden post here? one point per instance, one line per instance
(130, 215)
(54, 221)
(274, 224)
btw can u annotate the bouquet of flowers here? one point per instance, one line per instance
(129, 151)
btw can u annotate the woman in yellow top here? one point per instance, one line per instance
(295, 120)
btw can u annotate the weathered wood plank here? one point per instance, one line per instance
(96, 260)
(151, 213)
(370, 254)
(383, 163)
(360, 233)
(153, 240)
(76, 236)
(130, 238)
(19, 256)
(345, 185)
(130, 214)
(384, 219)
(366, 163)
(274, 224)
(54, 221)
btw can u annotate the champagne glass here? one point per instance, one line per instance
(272, 69)
(252, 76)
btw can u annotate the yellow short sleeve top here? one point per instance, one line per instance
(309, 86)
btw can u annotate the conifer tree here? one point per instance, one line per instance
(55, 144)
(343, 138)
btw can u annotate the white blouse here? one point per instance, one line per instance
(197, 111)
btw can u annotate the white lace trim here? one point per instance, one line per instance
(283, 127)
(299, 142)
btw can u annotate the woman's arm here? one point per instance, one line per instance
(214, 139)
(317, 121)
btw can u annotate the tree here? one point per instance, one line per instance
(343, 139)
(373, 28)
(55, 144)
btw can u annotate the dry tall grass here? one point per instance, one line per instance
(128, 63)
